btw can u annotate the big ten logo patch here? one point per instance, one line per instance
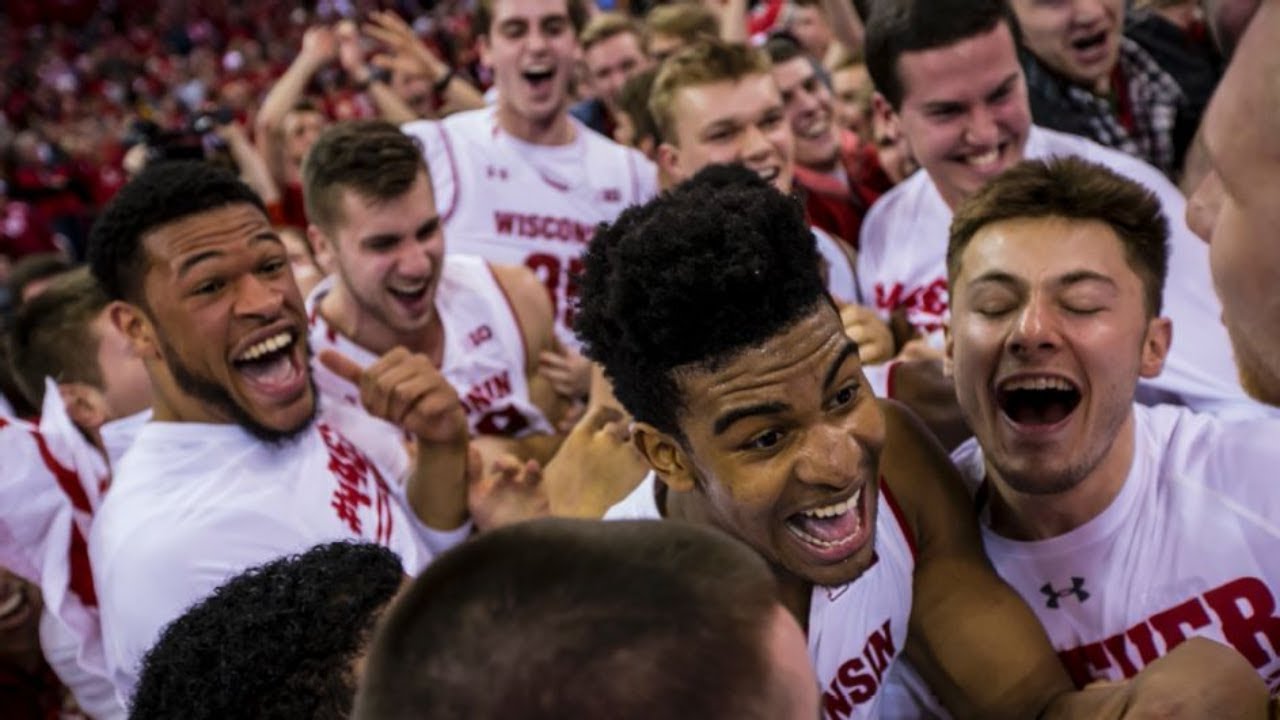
(860, 678)
(360, 489)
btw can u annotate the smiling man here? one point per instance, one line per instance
(235, 467)
(948, 70)
(1127, 529)
(768, 431)
(525, 183)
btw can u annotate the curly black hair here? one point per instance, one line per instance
(162, 193)
(720, 263)
(277, 641)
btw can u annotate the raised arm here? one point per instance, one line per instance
(319, 47)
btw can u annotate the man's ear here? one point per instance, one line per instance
(133, 323)
(884, 119)
(1155, 346)
(948, 351)
(86, 406)
(665, 455)
(669, 160)
(486, 52)
(321, 248)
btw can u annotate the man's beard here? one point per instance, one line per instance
(211, 392)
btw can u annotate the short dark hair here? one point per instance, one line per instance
(162, 193)
(51, 335)
(34, 268)
(782, 47)
(561, 618)
(633, 101)
(1074, 189)
(482, 18)
(901, 26)
(719, 264)
(371, 157)
(277, 641)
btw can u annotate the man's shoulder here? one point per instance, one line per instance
(1203, 449)
(1045, 143)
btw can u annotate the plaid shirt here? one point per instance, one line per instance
(1154, 100)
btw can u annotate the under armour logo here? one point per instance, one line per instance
(496, 172)
(1053, 595)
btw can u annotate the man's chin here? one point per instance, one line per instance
(284, 433)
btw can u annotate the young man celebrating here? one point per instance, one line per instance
(612, 52)
(483, 326)
(767, 430)
(1127, 529)
(235, 468)
(524, 183)
(950, 73)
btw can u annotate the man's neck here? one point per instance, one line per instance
(557, 130)
(340, 310)
(794, 592)
(1031, 517)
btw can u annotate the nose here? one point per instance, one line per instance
(414, 261)
(1086, 12)
(981, 130)
(1203, 206)
(538, 40)
(1035, 329)
(831, 456)
(256, 297)
(755, 145)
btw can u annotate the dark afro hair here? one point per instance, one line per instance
(162, 193)
(720, 263)
(277, 641)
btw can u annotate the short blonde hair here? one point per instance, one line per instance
(703, 63)
(689, 21)
(607, 25)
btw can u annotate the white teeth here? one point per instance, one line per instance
(986, 158)
(1039, 383)
(768, 174)
(839, 508)
(271, 344)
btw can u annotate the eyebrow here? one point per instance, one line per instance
(850, 348)
(725, 421)
(1079, 276)
(190, 263)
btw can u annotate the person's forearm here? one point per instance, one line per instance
(253, 168)
(284, 94)
(845, 24)
(460, 95)
(390, 107)
(437, 486)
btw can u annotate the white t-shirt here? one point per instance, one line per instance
(516, 203)
(857, 631)
(902, 263)
(193, 504)
(484, 351)
(1189, 547)
(841, 283)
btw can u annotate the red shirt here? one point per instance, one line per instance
(830, 204)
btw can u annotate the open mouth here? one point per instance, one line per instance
(768, 174)
(836, 531)
(1087, 43)
(986, 161)
(815, 128)
(1038, 402)
(539, 78)
(410, 295)
(272, 365)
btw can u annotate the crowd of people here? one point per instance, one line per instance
(550, 358)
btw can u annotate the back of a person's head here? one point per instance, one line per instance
(32, 270)
(902, 26)
(633, 100)
(278, 641)
(52, 335)
(162, 193)
(560, 618)
(370, 157)
(721, 263)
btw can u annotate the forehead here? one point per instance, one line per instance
(768, 369)
(1242, 126)
(708, 103)
(966, 70)
(227, 225)
(793, 72)
(528, 10)
(623, 43)
(1038, 250)
(363, 214)
(849, 77)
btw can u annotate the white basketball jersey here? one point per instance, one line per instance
(1189, 547)
(484, 351)
(902, 264)
(857, 630)
(841, 284)
(516, 203)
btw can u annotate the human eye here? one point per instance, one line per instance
(208, 286)
(766, 440)
(845, 396)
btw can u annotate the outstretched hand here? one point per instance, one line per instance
(406, 390)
